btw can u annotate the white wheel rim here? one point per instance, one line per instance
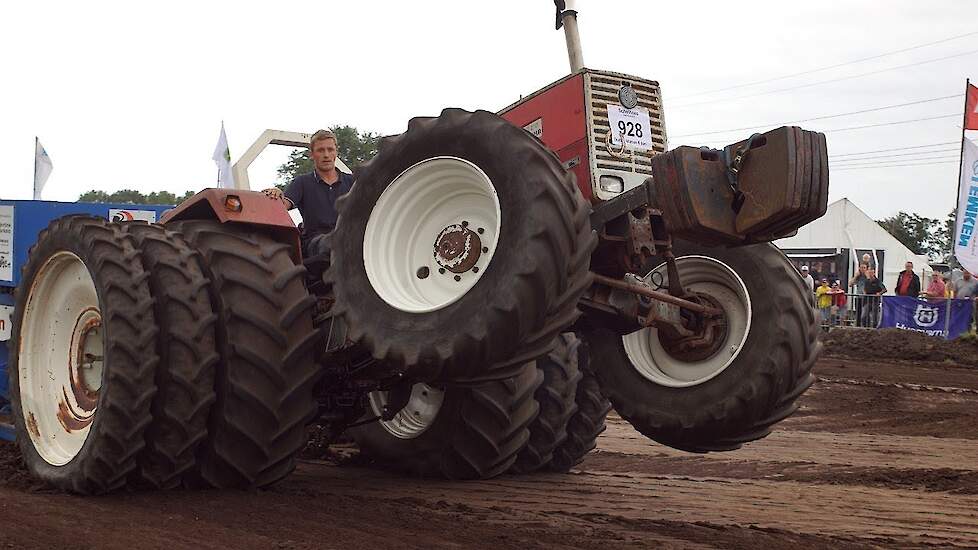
(60, 363)
(702, 275)
(416, 417)
(433, 200)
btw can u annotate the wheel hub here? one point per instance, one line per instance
(458, 248)
(709, 334)
(432, 234)
(85, 365)
(670, 360)
(417, 415)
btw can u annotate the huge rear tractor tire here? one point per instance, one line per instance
(717, 398)
(267, 343)
(464, 246)
(458, 431)
(556, 397)
(188, 354)
(83, 356)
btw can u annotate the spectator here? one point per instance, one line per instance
(966, 288)
(857, 285)
(838, 301)
(874, 288)
(868, 260)
(809, 281)
(823, 298)
(936, 288)
(908, 283)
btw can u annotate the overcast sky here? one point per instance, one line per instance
(132, 94)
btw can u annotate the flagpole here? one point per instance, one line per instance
(964, 123)
(34, 189)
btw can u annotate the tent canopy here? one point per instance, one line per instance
(844, 225)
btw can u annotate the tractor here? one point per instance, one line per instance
(497, 282)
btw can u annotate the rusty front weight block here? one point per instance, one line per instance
(783, 179)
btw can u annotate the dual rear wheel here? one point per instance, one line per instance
(150, 358)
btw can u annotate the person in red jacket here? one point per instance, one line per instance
(908, 283)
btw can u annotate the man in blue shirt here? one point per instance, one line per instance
(315, 193)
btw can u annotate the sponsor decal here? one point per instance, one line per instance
(126, 215)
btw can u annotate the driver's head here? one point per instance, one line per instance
(323, 148)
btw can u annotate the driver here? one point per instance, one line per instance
(315, 193)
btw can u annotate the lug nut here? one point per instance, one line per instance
(485, 249)
(441, 270)
(475, 269)
(465, 223)
(423, 272)
(458, 277)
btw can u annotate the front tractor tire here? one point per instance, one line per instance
(464, 243)
(471, 431)
(83, 356)
(718, 397)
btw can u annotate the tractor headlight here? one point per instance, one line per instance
(611, 184)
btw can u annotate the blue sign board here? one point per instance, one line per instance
(934, 317)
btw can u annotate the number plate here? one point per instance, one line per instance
(631, 127)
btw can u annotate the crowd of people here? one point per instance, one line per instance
(866, 289)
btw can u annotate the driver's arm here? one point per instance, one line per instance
(291, 197)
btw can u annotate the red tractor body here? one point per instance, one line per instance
(571, 117)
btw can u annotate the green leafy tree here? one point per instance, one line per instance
(922, 235)
(353, 148)
(131, 196)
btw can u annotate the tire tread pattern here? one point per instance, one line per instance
(187, 349)
(557, 399)
(588, 421)
(266, 340)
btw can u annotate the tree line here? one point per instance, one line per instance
(354, 147)
(922, 235)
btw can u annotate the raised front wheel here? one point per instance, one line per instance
(738, 374)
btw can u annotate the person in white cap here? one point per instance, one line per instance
(809, 281)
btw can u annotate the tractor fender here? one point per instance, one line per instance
(238, 206)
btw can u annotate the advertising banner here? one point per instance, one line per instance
(965, 240)
(6, 242)
(945, 318)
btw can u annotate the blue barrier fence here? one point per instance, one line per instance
(944, 317)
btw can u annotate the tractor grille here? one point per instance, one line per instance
(603, 89)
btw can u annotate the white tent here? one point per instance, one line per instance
(845, 227)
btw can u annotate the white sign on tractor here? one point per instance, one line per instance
(6, 243)
(126, 215)
(631, 127)
(6, 314)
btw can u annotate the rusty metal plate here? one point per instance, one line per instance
(691, 189)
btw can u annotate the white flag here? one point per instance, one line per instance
(222, 157)
(42, 168)
(965, 240)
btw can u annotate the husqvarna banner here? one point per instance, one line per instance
(947, 318)
(965, 235)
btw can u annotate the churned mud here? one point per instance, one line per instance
(882, 453)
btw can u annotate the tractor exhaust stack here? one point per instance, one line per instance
(567, 18)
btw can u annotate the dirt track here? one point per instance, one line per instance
(879, 455)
